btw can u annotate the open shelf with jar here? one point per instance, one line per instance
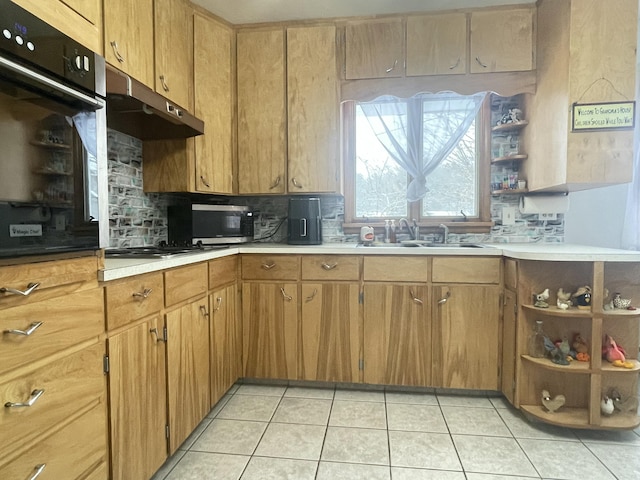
(579, 386)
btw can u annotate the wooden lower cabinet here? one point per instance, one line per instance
(187, 369)
(270, 330)
(397, 334)
(330, 332)
(466, 336)
(138, 399)
(225, 342)
(509, 339)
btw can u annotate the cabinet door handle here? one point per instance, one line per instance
(203, 311)
(392, 67)
(275, 183)
(268, 266)
(451, 67)
(25, 293)
(204, 180)
(38, 470)
(27, 333)
(415, 299)
(480, 62)
(35, 395)
(288, 298)
(312, 296)
(143, 294)
(218, 304)
(158, 337)
(119, 57)
(295, 183)
(328, 266)
(444, 299)
(165, 87)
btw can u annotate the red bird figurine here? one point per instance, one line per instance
(611, 351)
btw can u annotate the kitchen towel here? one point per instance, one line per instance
(544, 204)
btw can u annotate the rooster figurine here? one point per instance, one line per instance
(563, 299)
(558, 351)
(541, 298)
(552, 404)
(606, 405)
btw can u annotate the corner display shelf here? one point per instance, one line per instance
(582, 383)
(510, 127)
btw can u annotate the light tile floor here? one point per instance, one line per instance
(263, 432)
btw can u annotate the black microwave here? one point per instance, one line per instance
(203, 224)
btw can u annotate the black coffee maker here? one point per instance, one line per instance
(305, 221)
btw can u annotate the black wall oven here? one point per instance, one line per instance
(52, 138)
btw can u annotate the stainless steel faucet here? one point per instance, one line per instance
(445, 234)
(414, 232)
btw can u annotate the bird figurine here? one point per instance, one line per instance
(620, 303)
(606, 405)
(540, 299)
(582, 297)
(579, 344)
(557, 351)
(624, 405)
(611, 351)
(563, 299)
(552, 404)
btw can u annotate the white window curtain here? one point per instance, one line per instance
(421, 131)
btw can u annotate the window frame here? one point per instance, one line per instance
(480, 223)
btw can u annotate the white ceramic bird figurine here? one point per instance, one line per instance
(619, 302)
(541, 299)
(552, 404)
(606, 405)
(563, 299)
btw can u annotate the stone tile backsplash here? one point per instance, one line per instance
(137, 218)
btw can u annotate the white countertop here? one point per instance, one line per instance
(116, 268)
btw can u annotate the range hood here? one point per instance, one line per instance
(135, 109)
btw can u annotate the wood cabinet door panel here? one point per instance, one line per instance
(375, 49)
(331, 330)
(396, 269)
(437, 44)
(185, 282)
(262, 111)
(223, 271)
(509, 329)
(65, 322)
(270, 330)
(225, 341)
(466, 335)
(70, 384)
(138, 401)
(397, 335)
(134, 298)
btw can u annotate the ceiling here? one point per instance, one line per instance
(258, 11)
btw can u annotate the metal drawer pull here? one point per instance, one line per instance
(326, 266)
(288, 298)
(268, 266)
(165, 87)
(203, 311)
(312, 296)
(275, 183)
(444, 300)
(35, 395)
(144, 294)
(218, 304)
(415, 299)
(480, 63)
(38, 470)
(119, 57)
(30, 288)
(451, 67)
(295, 183)
(158, 337)
(392, 67)
(27, 333)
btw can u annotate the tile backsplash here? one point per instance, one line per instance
(137, 218)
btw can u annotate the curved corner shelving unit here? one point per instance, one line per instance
(508, 127)
(510, 158)
(557, 312)
(573, 367)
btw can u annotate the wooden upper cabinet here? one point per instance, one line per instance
(313, 109)
(213, 104)
(502, 40)
(174, 51)
(128, 37)
(375, 49)
(79, 19)
(437, 44)
(262, 111)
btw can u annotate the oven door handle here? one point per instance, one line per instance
(17, 68)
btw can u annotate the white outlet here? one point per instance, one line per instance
(60, 222)
(548, 216)
(508, 215)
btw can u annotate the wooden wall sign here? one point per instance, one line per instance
(603, 116)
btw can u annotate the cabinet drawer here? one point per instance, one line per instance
(65, 322)
(466, 270)
(185, 282)
(223, 271)
(70, 384)
(77, 450)
(134, 298)
(270, 267)
(396, 269)
(55, 279)
(330, 267)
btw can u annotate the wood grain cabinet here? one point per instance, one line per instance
(128, 38)
(51, 370)
(375, 49)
